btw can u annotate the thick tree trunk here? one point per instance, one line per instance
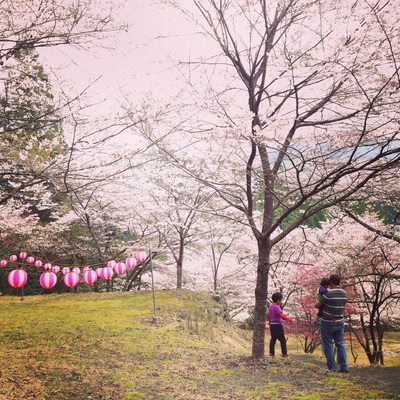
(261, 296)
(179, 275)
(179, 265)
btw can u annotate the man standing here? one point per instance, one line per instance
(332, 324)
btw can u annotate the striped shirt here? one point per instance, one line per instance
(334, 302)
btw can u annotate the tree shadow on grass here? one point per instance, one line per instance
(377, 377)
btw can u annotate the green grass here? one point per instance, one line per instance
(107, 346)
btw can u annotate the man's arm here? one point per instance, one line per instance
(317, 304)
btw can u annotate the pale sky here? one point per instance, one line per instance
(142, 59)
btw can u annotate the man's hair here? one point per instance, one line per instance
(334, 279)
(324, 282)
(276, 297)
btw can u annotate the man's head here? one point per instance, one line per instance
(334, 280)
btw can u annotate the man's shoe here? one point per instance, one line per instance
(344, 371)
(271, 355)
(287, 357)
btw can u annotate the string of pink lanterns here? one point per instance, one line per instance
(17, 278)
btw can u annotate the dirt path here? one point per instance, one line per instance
(385, 378)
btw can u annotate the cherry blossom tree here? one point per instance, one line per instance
(223, 242)
(179, 228)
(308, 93)
(368, 265)
(377, 290)
(46, 23)
(371, 271)
(31, 114)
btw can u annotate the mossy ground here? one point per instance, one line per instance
(112, 346)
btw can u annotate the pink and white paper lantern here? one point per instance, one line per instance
(17, 278)
(111, 264)
(77, 270)
(13, 258)
(55, 269)
(90, 277)
(107, 273)
(141, 256)
(47, 266)
(71, 279)
(30, 260)
(38, 263)
(22, 255)
(65, 270)
(3, 263)
(120, 268)
(48, 280)
(131, 262)
(98, 271)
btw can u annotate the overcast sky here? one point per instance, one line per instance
(142, 59)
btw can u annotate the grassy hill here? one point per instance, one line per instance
(109, 347)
